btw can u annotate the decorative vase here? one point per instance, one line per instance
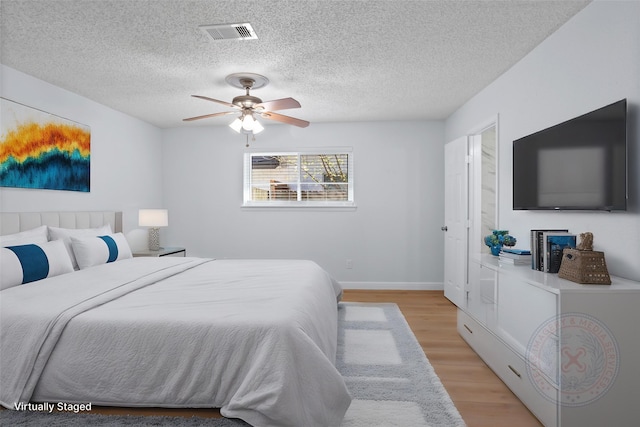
(495, 250)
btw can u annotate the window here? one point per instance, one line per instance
(299, 179)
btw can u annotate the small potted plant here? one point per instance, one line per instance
(497, 239)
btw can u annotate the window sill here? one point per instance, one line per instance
(344, 206)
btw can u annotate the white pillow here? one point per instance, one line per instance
(98, 250)
(66, 234)
(35, 235)
(27, 263)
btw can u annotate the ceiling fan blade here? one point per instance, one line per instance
(285, 119)
(278, 104)
(228, 104)
(206, 116)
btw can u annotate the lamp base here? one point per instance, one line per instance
(154, 239)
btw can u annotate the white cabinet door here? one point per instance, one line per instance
(481, 295)
(522, 310)
(456, 220)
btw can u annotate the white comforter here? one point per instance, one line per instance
(254, 338)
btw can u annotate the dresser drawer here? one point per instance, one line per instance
(512, 370)
(538, 394)
(477, 336)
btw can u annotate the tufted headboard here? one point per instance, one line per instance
(14, 222)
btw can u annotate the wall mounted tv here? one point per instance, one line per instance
(580, 164)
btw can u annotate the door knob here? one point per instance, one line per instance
(444, 228)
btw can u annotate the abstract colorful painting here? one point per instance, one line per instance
(41, 150)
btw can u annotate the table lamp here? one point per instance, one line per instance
(153, 218)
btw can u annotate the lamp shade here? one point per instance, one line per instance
(153, 218)
(257, 127)
(247, 122)
(236, 125)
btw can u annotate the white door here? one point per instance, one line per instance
(456, 214)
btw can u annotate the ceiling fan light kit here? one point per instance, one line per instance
(246, 124)
(249, 105)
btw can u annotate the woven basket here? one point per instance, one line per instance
(586, 267)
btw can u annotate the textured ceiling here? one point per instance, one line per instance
(343, 60)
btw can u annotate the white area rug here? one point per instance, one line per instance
(386, 371)
(390, 379)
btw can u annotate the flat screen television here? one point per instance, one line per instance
(580, 164)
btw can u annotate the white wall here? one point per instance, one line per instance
(591, 61)
(395, 240)
(393, 236)
(126, 154)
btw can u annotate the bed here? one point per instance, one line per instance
(255, 338)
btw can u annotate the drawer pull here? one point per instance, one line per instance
(514, 371)
(468, 329)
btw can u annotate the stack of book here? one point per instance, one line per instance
(515, 256)
(547, 247)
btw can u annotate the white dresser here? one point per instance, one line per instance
(570, 352)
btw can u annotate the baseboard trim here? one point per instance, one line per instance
(395, 286)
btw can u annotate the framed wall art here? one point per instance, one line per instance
(41, 150)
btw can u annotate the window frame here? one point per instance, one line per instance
(247, 193)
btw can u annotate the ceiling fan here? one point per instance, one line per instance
(248, 106)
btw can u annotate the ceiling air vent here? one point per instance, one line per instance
(230, 31)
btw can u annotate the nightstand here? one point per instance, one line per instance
(175, 251)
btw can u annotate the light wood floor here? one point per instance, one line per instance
(480, 396)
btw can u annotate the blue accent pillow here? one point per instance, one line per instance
(32, 262)
(91, 251)
(112, 246)
(66, 234)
